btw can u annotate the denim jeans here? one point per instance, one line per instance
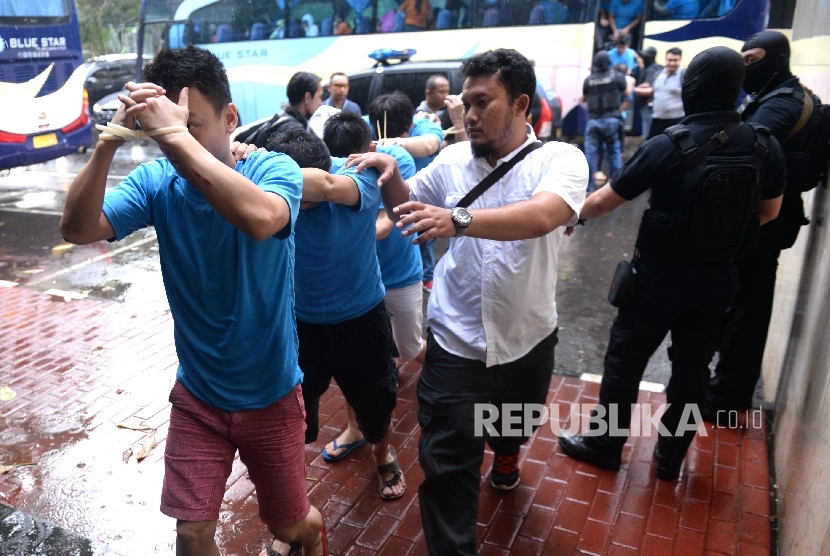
(602, 131)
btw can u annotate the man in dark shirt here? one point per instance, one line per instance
(643, 92)
(602, 90)
(305, 95)
(683, 287)
(768, 80)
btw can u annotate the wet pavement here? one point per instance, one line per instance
(91, 379)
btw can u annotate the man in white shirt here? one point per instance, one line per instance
(667, 87)
(492, 312)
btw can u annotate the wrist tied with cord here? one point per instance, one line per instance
(115, 132)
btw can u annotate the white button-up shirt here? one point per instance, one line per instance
(495, 300)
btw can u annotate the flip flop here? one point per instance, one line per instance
(391, 467)
(349, 449)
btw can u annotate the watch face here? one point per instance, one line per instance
(462, 217)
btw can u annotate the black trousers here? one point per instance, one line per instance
(686, 300)
(659, 125)
(739, 367)
(450, 452)
(357, 353)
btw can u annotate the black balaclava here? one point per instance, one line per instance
(774, 68)
(648, 55)
(712, 82)
(602, 62)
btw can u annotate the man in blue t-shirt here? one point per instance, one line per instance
(422, 138)
(625, 17)
(342, 321)
(225, 233)
(623, 54)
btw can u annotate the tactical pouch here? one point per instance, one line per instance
(623, 284)
(656, 233)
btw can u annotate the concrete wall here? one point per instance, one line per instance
(797, 359)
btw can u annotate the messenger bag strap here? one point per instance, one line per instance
(496, 175)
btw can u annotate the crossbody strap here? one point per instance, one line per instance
(496, 175)
(715, 142)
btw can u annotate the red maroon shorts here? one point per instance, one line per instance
(202, 441)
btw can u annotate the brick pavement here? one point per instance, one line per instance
(80, 368)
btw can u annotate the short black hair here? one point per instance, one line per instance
(190, 67)
(674, 50)
(346, 133)
(515, 72)
(391, 113)
(625, 39)
(432, 80)
(301, 83)
(307, 150)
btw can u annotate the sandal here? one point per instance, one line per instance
(269, 549)
(391, 467)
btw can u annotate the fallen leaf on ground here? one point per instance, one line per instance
(146, 448)
(32, 271)
(61, 248)
(6, 393)
(125, 457)
(141, 427)
(6, 468)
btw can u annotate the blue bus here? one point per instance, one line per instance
(263, 42)
(45, 109)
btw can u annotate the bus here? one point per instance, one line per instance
(45, 109)
(263, 42)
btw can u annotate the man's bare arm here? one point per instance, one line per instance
(383, 226)
(83, 220)
(319, 186)
(419, 147)
(768, 209)
(393, 188)
(255, 212)
(600, 203)
(536, 217)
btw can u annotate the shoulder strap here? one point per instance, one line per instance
(694, 156)
(789, 91)
(496, 175)
(806, 112)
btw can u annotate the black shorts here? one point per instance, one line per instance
(357, 353)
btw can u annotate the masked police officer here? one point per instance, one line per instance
(603, 91)
(776, 102)
(713, 181)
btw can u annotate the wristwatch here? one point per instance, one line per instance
(461, 217)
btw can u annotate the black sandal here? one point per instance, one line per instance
(269, 549)
(391, 467)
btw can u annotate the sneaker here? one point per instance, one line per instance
(428, 286)
(505, 473)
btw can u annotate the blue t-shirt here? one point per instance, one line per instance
(400, 259)
(232, 297)
(421, 127)
(338, 277)
(682, 9)
(625, 12)
(627, 58)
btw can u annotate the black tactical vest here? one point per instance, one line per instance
(717, 216)
(603, 95)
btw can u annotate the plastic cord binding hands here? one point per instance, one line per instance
(115, 132)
